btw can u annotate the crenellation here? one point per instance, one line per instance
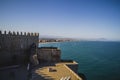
(36, 34)
(31, 34)
(9, 33)
(17, 33)
(28, 34)
(0, 32)
(21, 33)
(15, 38)
(14, 33)
(5, 32)
(24, 33)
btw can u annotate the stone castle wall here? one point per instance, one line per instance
(49, 54)
(14, 46)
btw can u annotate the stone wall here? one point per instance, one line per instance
(49, 54)
(14, 46)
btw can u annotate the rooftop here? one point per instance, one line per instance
(58, 72)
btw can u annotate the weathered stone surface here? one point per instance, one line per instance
(49, 54)
(15, 44)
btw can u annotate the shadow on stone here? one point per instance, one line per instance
(82, 76)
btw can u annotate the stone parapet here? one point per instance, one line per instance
(14, 46)
(18, 33)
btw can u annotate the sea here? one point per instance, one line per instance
(98, 60)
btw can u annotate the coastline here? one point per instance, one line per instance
(48, 42)
(51, 42)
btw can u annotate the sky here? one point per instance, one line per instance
(89, 19)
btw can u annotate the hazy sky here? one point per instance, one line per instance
(67, 18)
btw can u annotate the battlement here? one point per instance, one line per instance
(16, 44)
(18, 33)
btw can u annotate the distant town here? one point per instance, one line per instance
(45, 40)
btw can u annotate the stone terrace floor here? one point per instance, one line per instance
(60, 70)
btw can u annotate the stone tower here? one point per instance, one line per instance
(14, 46)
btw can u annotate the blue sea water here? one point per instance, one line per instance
(97, 60)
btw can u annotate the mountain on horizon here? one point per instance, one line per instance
(80, 39)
